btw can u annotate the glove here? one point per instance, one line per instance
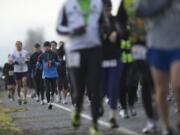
(26, 62)
(49, 64)
(79, 31)
(113, 37)
(16, 63)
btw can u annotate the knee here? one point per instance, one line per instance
(161, 91)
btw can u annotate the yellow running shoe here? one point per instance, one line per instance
(75, 123)
(94, 131)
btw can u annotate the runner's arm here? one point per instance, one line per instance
(62, 25)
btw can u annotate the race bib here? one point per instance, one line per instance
(139, 52)
(11, 73)
(109, 63)
(73, 59)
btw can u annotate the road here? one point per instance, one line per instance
(40, 121)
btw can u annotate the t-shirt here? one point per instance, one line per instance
(163, 30)
(21, 57)
(85, 7)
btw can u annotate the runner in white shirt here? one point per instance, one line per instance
(20, 59)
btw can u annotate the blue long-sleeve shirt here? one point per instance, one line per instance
(48, 72)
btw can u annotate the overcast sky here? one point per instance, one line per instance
(17, 16)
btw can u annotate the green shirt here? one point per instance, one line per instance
(85, 7)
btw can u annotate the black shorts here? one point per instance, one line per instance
(62, 82)
(19, 76)
(10, 80)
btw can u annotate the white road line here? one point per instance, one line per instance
(103, 123)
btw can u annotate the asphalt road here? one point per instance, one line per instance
(40, 121)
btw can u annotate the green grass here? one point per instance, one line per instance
(7, 126)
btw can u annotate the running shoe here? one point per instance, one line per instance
(38, 99)
(42, 102)
(113, 123)
(19, 101)
(167, 131)
(9, 96)
(124, 114)
(49, 106)
(25, 101)
(132, 111)
(149, 128)
(94, 131)
(75, 122)
(101, 110)
(64, 102)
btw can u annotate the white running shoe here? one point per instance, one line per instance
(149, 128)
(64, 102)
(42, 102)
(49, 106)
(57, 99)
(124, 114)
(132, 111)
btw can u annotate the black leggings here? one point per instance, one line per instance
(128, 88)
(87, 75)
(50, 84)
(39, 85)
(145, 78)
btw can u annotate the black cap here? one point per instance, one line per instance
(107, 3)
(47, 44)
(37, 45)
(61, 43)
(54, 42)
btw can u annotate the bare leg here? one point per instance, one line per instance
(161, 81)
(18, 88)
(24, 81)
(175, 77)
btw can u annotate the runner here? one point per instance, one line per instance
(80, 20)
(62, 79)
(142, 69)
(128, 85)
(163, 33)
(112, 66)
(58, 92)
(20, 58)
(36, 73)
(48, 62)
(8, 72)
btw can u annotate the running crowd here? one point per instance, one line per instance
(106, 58)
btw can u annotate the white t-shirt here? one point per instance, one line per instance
(21, 57)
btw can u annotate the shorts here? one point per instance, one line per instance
(10, 80)
(162, 59)
(19, 76)
(62, 82)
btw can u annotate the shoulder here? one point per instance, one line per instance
(6, 64)
(67, 3)
(98, 2)
(24, 51)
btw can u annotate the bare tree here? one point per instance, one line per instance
(33, 37)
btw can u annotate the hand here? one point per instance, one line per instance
(26, 62)
(113, 37)
(49, 64)
(16, 63)
(3, 77)
(79, 31)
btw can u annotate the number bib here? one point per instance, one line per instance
(11, 73)
(73, 59)
(139, 52)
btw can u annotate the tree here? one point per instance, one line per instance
(33, 37)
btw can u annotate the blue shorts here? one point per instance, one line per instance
(162, 59)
